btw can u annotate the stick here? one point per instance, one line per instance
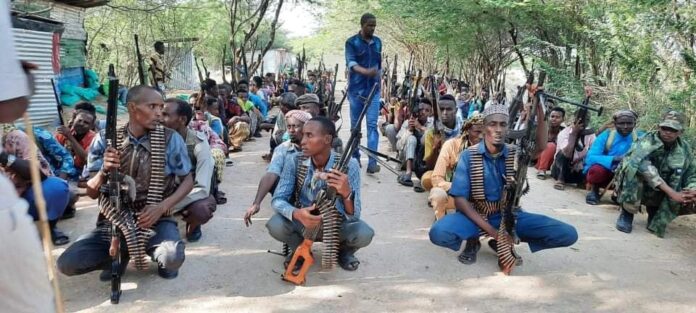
(43, 217)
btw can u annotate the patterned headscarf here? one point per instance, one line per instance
(299, 115)
(476, 119)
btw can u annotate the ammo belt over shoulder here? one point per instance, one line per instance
(331, 219)
(126, 219)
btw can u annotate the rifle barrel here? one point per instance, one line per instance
(599, 110)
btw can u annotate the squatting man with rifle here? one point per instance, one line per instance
(146, 150)
(479, 190)
(292, 217)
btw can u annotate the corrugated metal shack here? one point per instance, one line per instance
(51, 34)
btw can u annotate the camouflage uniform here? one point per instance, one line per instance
(649, 164)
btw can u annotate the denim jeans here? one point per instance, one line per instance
(356, 107)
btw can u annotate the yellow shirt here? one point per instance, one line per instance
(446, 161)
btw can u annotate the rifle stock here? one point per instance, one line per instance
(114, 187)
(304, 250)
(60, 106)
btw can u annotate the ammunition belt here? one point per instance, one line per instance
(126, 219)
(331, 218)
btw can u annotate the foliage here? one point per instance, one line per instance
(639, 54)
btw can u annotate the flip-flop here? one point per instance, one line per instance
(468, 255)
(559, 186)
(405, 180)
(418, 189)
(541, 175)
(349, 263)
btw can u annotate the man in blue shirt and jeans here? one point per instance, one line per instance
(364, 63)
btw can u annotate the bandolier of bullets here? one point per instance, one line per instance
(138, 238)
(506, 253)
(330, 217)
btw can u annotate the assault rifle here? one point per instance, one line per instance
(114, 186)
(413, 96)
(141, 71)
(60, 106)
(205, 69)
(326, 198)
(394, 77)
(331, 109)
(436, 108)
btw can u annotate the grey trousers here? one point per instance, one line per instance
(91, 251)
(353, 235)
(390, 131)
(407, 147)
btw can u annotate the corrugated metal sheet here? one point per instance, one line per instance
(71, 16)
(184, 74)
(35, 47)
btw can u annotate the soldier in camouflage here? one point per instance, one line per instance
(659, 173)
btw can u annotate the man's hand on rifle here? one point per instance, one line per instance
(65, 131)
(339, 181)
(578, 127)
(306, 218)
(112, 159)
(150, 214)
(415, 123)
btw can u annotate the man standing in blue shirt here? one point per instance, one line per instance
(364, 63)
(477, 188)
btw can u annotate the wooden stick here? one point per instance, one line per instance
(43, 216)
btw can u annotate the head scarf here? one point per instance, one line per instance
(299, 115)
(476, 119)
(625, 113)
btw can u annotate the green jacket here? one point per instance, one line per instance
(647, 165)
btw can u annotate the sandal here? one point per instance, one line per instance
(229, 162)
(267, 157)
(418, 189)
(592, 198)
(58, 237)
(559, 186)
(405, 180)
(541, 175)
(468, 255)
(349, 263)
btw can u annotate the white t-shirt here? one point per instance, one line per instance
(13, 81)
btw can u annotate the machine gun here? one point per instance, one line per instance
(332, 109)
(518, 185)
(393, 79)
(141, 71)
(582, 115)
(325, 206)
(114, 186)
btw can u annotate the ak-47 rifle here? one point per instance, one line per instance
(518, 102)
(200, 75)
(331, 109)
(518, 185)
(436, 108)
(224, 57)
(244, 62)
(205, 69)
(394, 77)
(413, 97)
(325, 204)
(141, 71)
(114, 184)
(60, 106)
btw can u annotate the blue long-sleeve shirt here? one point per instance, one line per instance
(597, 154)
(286, 187)
(259, 104)
(366, 54)
(493, 174)
(58, 157)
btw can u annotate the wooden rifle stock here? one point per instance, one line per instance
(114, 187)
(304, 250)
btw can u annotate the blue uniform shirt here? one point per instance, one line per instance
(598, 155)
(367, 55)
(258, 103)
(493, 173)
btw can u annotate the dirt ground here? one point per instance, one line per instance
(229, 270)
